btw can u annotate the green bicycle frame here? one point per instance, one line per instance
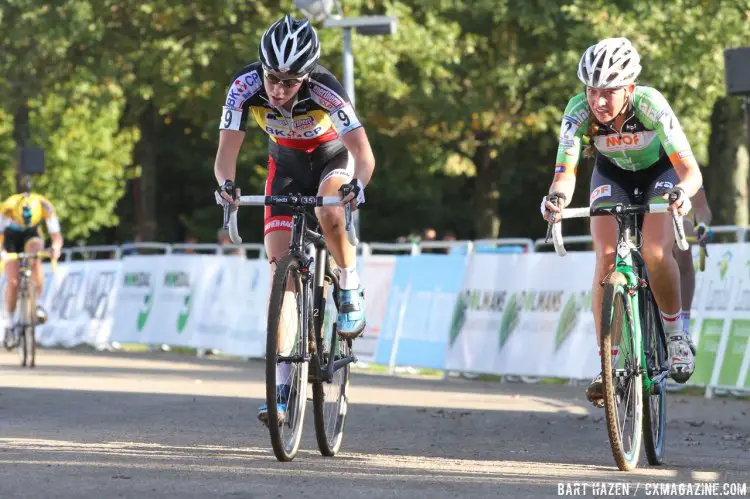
(632, 322)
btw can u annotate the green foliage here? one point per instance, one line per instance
(462, 105)
(87, 155)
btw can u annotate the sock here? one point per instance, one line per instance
(672, 323)
(686, 321)
(283, 373)
(349, 279)
(615, 355)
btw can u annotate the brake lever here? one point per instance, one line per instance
(227, 210)
(549, 231)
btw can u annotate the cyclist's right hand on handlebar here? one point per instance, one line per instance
(552, 206)
(227, 194)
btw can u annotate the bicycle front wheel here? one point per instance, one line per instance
(287, 332)
(621, 374)
(654, 399)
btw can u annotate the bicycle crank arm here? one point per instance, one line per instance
(294, 359)
(657, 382)
(338, 364)
(326, 373)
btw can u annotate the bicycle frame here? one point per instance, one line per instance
(302, 237)
(626, 255)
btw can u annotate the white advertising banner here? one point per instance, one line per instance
(232, 306)
(79, 299)
(175, 297)
(555, 335)
(140, 277)
(377, 277)
(486, 311)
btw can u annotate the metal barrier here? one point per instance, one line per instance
(527, 243)
(541, 243)
(188, 248)
(86, 251)
(259, 247)
(136, 247)
(740, 234)
(370, 248)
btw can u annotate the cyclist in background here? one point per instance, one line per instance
(701, 219)
(20, 218)
(317, 146)
(640, 145)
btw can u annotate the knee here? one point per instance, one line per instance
(605, 260)
(330, 217)
(654, 254)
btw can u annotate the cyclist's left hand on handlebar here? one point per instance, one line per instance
(353, 193)
(552, 206)
(679, 202)
(227, 194)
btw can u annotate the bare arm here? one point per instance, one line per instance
(690, 175)
(225, 165)
(358, 145)
(564, 183)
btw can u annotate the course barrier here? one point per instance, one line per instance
(496, 307)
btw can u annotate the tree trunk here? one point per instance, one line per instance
(21, 137)
(145, 195)
(726, 177)
(487, 223)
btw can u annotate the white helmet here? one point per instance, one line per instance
(290, 46)
(611, 63)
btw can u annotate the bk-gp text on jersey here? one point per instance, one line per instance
(322, 111)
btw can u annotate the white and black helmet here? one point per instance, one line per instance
(290, 46)
(611, 63)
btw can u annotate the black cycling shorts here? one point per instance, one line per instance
(294, 171)
(611, 184)
(15, 240)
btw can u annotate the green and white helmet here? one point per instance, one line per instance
(611, 63)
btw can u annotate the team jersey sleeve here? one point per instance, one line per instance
(48, 209)
(245, 84)
(329, 94)
(575, 122)
(656, 114)
(49, 215)
(5, 216)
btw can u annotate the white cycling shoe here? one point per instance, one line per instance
(681, 358)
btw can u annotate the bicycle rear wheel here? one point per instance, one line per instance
(622, 379)
(654, 399)
(331, 400)
(292, 317)
(27, 329)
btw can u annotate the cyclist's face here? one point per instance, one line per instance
(280, 88)
(606, 103)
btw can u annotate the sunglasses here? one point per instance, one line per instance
(287, 82)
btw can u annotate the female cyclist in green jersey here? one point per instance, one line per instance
(640, 146)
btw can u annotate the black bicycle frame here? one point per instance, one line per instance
(301, 237)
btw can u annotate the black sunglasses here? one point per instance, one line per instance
(287, 82)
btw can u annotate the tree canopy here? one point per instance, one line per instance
(462, 105)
